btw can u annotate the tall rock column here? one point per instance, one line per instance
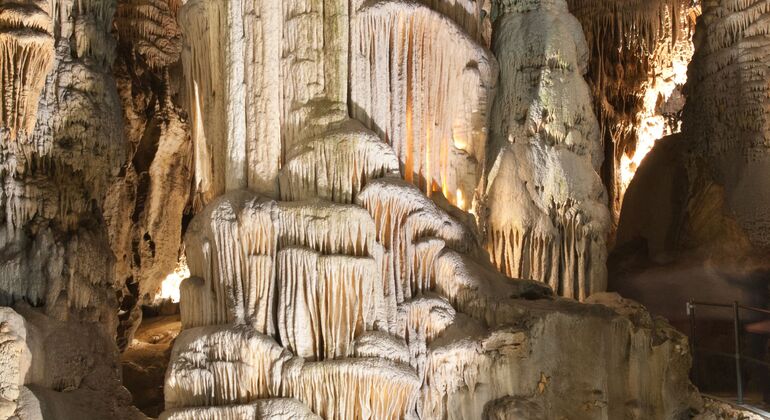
(60, 145)
(727, 118)
(545, 212)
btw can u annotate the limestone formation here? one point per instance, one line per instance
(27, 45)
(545, 212)
(426, 93)
(366, 293)
(390, 209)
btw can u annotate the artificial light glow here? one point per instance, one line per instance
(460, 200)
(651, 125)
(459, 142)
(169, 289)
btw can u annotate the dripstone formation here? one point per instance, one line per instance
(390, 209)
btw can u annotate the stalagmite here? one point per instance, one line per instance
(16, 358)
(545, 206)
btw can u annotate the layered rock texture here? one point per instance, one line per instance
(715, 206)
(389, 208)
(334, 271)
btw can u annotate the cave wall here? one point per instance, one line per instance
(639, 51)
(704, 237)
(62, 143)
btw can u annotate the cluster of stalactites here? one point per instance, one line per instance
(425, 92)
(636, 24)
(26, 45)
(336, 165)
(254, 254)
(226, 366)
(721, 118)
(150, 26)
(358, 294)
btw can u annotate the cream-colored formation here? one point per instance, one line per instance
(26, 43)
(545, 205)
(356, 175)
(426, 90)
(362, 294)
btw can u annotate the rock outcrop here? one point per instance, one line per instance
(545, 208)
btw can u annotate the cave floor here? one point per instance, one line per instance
(144, 362)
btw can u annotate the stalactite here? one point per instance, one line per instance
(337, 165)
(380, 344)
(223, 366)
(355, 388)
(402, 216)
(474, 16)
(238, 245)
(324, 302)
(150, 27)
(401, 88)
(26, 42)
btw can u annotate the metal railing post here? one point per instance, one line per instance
(693, 350)
(738, 375)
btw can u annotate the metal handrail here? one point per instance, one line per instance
(737, 335)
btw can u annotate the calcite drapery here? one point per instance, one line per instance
(363, 297)
(547, 217)
(425, 86)
(27, 48)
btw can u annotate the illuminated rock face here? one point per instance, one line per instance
(640, 50)
(545, 204)
(715, 170)
(345, 282)
(26, 42)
